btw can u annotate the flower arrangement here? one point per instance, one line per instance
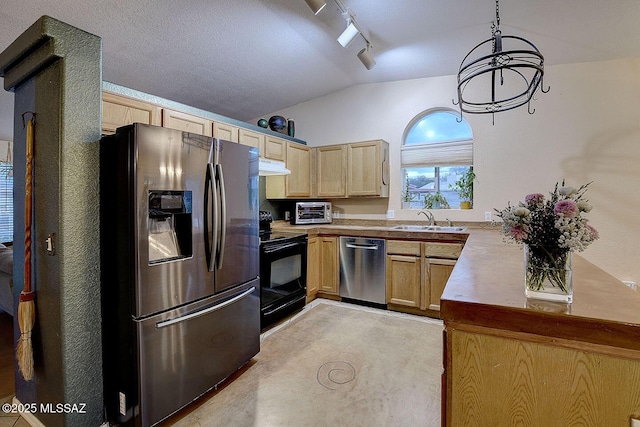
(550, 229)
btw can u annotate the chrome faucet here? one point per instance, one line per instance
(429, 216)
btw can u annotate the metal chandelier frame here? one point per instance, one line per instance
(525, 63)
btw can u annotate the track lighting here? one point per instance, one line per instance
(316, 5)
(348, 34)
(366, 57)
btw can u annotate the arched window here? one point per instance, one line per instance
(437, 151)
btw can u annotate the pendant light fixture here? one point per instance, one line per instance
(500, 74)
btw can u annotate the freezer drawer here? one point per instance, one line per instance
(186, 352)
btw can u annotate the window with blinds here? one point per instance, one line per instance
(6, 202)
(436, 151)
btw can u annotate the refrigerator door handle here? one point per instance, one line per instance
(207, 310)
(223, 217)
(210, 244)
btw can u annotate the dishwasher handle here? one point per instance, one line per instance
(357, 246)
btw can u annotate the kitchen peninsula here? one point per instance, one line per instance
(512, 361)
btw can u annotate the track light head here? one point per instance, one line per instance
(348, 34)
(366, 57)
(316, 5)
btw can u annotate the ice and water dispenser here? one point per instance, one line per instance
(170, 231)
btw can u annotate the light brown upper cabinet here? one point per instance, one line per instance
(298, 183)
(331, 171)
(274, 148)
(226, 132)
(186, 122)
(368, 169)
(252, 139)
(118, 110)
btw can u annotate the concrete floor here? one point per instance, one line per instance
(334, 364)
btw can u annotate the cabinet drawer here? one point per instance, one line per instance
(442, 250)
(403, 247)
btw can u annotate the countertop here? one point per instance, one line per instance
(486, 288)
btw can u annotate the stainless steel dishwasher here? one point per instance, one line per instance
(362, 269)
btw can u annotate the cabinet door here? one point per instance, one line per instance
(119, 111)
(225, 131)
(330, 272)
(313, 268)
(274, 148)
(186, 122)
(251, 138)
(331, 167)
(437, 274)
(367, 169)
(403, 280)
(298, 183)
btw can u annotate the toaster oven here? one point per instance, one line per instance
(312, 213)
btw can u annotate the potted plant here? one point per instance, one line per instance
(464, 187)
(435, 201)
(407, 197)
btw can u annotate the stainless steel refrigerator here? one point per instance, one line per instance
(180, 263)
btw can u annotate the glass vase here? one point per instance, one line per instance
(547, 275)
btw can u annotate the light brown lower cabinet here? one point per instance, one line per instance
(417, 273)
(313, 268)
(329, 266)
(323, 268)
(404, 267)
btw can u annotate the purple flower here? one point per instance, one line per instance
(534, 199)
(566, 208)
(594, 233)
(517, 232)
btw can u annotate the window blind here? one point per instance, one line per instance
(437, 154)
(6, 202)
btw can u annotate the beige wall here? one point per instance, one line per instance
(587, 128)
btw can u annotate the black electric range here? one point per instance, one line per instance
(283, 273)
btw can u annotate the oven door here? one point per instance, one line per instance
(283, 266)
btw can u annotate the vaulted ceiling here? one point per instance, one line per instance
(247, 58)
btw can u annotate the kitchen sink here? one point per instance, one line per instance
(429, 228)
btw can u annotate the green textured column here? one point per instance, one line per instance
(55, 71)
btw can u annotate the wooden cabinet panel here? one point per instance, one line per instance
(274, 148)
(330, 267)
(118, 110)
(368, 169)
(251, 138)
(403, 280)
(493, 380)
(331, 167)
(442, 250)
(186, 122)
(437, 275)
(226, 132)
(403, 247)
(298, 183)
(313, 268)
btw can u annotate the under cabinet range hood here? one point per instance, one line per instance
(272, 167)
